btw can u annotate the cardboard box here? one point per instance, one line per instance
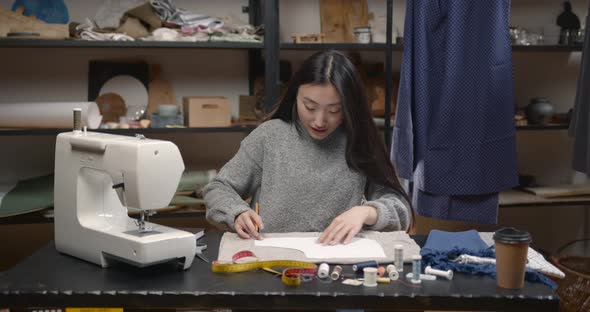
(248, 107)
(207, 111)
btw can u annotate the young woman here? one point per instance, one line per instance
(318, 164)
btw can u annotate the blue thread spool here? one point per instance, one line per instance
(416, 269)
(358, 268)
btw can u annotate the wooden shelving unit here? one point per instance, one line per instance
(270, 48)
(543, 127)
(546, 48)
(8, 132)
(73, 43)
(517, 198)
(39, 216)
(338, 46)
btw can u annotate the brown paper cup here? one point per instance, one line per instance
(511, 255)
(510, 264)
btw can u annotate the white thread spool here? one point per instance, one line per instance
(392, 272)
(324, 270)
(362, 34)
(398, 257)
(370, 279)
(77, 120)
(446, 274)
(426, 277)
(336, 273)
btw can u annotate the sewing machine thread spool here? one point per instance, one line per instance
(398, 257)
(323, 270)
(392, 272)
(381, 271)
(383, 280)
(77, 119)
(446, 274)
(370, 276)
(336, 273)
(358, 267)
(424, 277)
(416, 268)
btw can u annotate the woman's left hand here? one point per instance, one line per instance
(345, 226)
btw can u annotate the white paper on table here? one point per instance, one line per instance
(358, 248)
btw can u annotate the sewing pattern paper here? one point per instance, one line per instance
(359, 247)
(232, 243)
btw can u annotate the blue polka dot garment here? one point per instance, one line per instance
(454, 133)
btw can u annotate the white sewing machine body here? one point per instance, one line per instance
(97, 176)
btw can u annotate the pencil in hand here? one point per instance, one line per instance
(257, 212)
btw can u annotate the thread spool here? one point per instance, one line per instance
(358, 267)
(426, 277)
(381, 271)
(398, 257)
(77, 119)
(448, 274)
(383, 280)
(392, 272)
(416, 268)
(323, 270)
(336, 273)
(370, 276)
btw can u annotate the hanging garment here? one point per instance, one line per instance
(481, 208)
(454, 130)
(579, 126)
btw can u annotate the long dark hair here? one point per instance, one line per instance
(365, 151)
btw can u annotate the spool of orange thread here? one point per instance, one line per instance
(381, 271)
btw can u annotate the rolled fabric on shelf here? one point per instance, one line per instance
(48, 115)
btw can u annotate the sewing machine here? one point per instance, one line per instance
(97, 178)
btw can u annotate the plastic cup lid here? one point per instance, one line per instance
(511, 235)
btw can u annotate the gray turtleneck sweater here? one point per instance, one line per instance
(301, 184)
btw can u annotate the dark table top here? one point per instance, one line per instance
(51, 279)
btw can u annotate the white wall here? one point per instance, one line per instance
(56, 74)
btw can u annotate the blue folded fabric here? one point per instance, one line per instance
(441, 248)
(447, 241)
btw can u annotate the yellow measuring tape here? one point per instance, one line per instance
(291, 276)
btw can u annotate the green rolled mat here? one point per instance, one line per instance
(28, 196)
(190, 180)
(37, 193)
(184, 200)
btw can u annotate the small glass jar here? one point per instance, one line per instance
(362, 34)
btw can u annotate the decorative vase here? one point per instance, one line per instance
(539, 111)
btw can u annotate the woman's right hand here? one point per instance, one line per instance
(246, 223)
